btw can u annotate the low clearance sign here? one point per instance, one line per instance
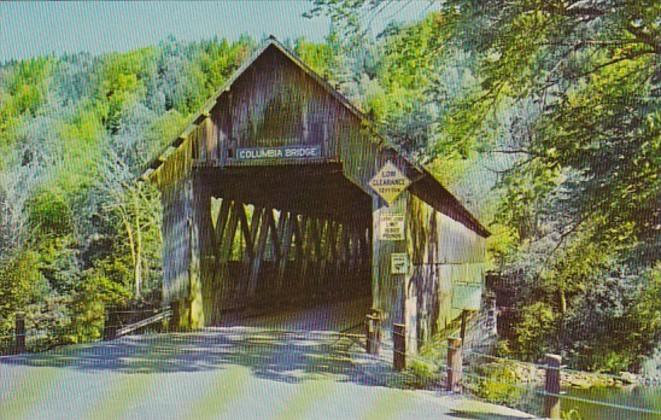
(389, 182)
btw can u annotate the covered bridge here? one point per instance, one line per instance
(279, 191)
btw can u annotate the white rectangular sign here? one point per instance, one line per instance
(391, 227)
(292, 151)
(467, 296)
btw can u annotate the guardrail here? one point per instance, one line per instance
(113, 331)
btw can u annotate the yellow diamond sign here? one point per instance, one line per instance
(389, 182)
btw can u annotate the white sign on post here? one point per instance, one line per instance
(391, 227)
(389, 182)
(467, 296)
(399, 263)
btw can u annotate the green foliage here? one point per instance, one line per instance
(577, 220)
(502, 243)
(163, 130)
(320, 57)
(81, 137)
(23, 90)
(21, 283)
(50, 214)
(58, 262)
(75, 132)
(627, 312)
(572, 414)
(524, 196)
(94, 293)
(592, 71)
(497, 383)
(421, 375)
(503, 349)
(219, 59)
(122, 79)
(646, 309)
(534, 330)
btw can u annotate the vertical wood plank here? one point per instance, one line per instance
(287, 235)
(249, 255)
(274, 235)
(228, 239)
(259, 253)
(198, 204)
(324, 279)
(303, 280)
(245, 229)
(221, 222)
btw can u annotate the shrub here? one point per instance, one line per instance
(50, 214)
(535, 330)
(496, 383)
(421, 375)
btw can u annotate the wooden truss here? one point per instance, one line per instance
(268, 256)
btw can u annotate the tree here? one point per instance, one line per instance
(568, 120)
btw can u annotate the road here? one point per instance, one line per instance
(290, 366)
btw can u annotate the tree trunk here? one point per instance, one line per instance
(138, 248)
(563, 301)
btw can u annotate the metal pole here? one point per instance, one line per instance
(552, 388)
(455, 365)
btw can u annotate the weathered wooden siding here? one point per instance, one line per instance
(176, 240)
(444, 253)
(181, 280)
(274, 103)
(174, 164)
(388, 289)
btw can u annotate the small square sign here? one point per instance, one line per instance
(399, 263)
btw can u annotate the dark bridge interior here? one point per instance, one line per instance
(284, 236)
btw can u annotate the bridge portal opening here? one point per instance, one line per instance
(283, 238)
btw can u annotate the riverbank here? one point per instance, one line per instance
(582, 379)
(529, 374)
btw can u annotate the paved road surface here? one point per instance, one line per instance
(290, 366)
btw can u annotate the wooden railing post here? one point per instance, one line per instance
(455, 365)
(110, 326)
(175, 318)
(464, 320)
(20, 332)
(373, 324)
(399, 344)
(552, 388)
(492, 315)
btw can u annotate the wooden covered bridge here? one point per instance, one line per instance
(280, 191)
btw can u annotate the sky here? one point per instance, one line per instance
(29, 29)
